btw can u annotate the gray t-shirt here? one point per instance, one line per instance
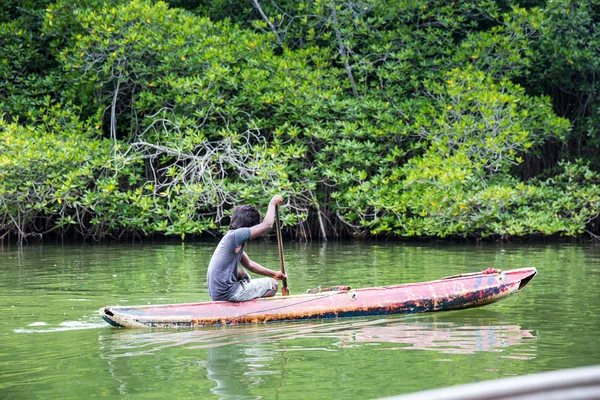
(222, 272)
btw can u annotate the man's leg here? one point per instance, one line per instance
(262, 287)
(271, 292)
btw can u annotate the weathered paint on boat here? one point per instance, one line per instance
(457, 292)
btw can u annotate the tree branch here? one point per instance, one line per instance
(266, 19)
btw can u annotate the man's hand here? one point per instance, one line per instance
(276, 200)
(280, 276)
(267, 222)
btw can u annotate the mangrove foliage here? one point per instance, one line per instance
(373, 118)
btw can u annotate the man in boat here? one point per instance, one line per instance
(226, 279)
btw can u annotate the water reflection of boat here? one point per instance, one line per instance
(447, 337)
(242, 358)
(456, 292)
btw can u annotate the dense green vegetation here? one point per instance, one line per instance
(403, 119)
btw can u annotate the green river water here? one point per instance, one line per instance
(53, 344)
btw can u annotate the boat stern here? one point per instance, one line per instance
(109, 317)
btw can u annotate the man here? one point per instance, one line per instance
(226, 280)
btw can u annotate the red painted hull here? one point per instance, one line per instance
(452, 293)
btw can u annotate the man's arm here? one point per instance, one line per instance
(267, 222)
(259, 269)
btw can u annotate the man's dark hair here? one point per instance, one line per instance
(244, 217)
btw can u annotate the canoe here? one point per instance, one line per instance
(451, 293)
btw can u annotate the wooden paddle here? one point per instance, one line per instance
(284, 289)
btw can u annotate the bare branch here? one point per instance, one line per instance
(342, 49)
(267, 20)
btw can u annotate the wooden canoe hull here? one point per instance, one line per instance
(458, 292)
